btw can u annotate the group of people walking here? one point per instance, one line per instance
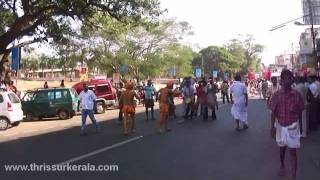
(293, 103)
(201, 95)
(198, 98)
(127, 105)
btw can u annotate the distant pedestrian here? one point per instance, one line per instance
(275, 86)
(45, 86)
(172, 106)
(164, 104)
(303, 90)
(128, 105)
(225, 91)
(239, 99)
(259, 88)
(87, 100)
(264, 89)
(119, 92)
(149, 92)
(62, 83)
(313, 98)
(211, 91)
(286, 106)
(201, 96)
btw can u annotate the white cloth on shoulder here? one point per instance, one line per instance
(288, 136)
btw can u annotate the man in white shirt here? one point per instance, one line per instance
(87, 99)
(239, 99)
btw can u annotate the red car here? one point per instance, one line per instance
(106, 94)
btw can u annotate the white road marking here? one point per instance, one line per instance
(99, 151)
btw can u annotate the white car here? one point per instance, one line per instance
(10, 110)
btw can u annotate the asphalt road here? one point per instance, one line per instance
(194, 150)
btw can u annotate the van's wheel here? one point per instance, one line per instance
(15, 123)
(100, 108)
(4, 124)
(29, 116)
(63, 114)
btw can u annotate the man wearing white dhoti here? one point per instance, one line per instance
(286, 106)
(239, 99)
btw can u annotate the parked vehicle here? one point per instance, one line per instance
(106, 94)
(52, 102)
(10, 110)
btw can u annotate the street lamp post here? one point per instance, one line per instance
(314, 54)
(202, 68)
(313, 34)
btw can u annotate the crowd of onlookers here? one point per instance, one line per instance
(309, 89)
(192, 90)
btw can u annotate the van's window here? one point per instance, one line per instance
(13, 98)
(61, 94)
(103, 88)
(1, 99)
(51, 95)
(58, 95)
(41, 96)
(64, 93)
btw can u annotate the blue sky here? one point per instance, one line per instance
(215, 22)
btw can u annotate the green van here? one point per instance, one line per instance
(52, 102)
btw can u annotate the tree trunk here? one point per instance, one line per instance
(4, 70)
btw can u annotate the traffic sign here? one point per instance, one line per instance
(226, 75)
(198, 72)
(123, 69)
(172, 71)
(214, 74)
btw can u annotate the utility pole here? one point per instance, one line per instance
(202, 69)
(314, 54)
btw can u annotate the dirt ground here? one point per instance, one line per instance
(24, 85)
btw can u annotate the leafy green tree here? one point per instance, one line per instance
(139, 47)
(179, 57)
(29, 63)
(247, 52)
(43, 19)
(216, 58)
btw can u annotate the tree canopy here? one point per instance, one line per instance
(240, 55)
(43, 19)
